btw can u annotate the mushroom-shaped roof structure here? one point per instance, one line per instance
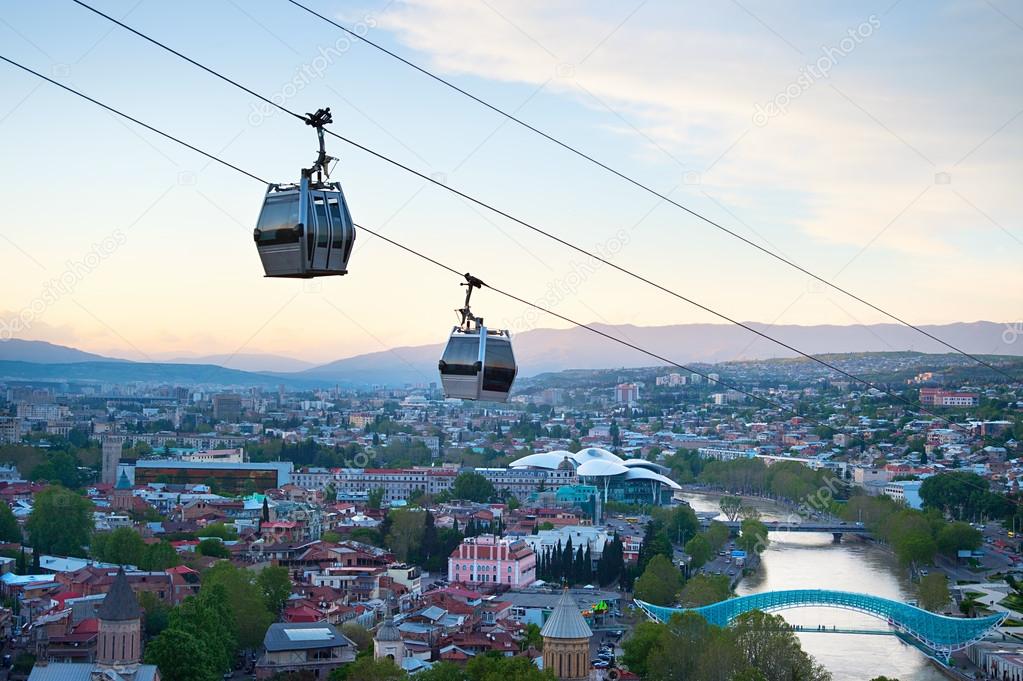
(548, 460)
(649, 465)
(554, 460)
(600, 468)
(644, 474)
(591, 453)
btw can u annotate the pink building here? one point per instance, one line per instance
(492, 560)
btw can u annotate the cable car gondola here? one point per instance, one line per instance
(478, 363)
(305, 230)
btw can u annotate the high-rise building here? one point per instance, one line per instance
(627, 393)
(227, 407)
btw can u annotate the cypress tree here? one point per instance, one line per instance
(567, 562)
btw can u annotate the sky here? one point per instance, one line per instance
(878, 144)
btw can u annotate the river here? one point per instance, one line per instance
(812, 561)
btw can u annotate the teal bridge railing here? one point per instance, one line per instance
(939, 634)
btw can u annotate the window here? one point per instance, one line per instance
(461, 355)
(338, 223)
(278, 219)
(322, 226)
(499, 369)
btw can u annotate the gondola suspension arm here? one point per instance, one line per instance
(317, 120)
(471, 282)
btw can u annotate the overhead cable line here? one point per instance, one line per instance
(523, 223)
(645, 187)
(437, 263)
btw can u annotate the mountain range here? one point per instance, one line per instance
(537, 351)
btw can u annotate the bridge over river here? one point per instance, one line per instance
(938, 635)
(835, 529)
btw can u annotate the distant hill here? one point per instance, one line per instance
(537, 351)
(248, 362)
(552, 350)
(18, 350)
(123, 372)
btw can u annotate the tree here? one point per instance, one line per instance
(655, 542)
(962, 495)
(659, 583)
(245, 600)
(181, 656)
(442, 671)
(275, 584)
(157, 614)
(731, 506)
(495, 667)
(375, 498)
(753, 536)
(933, 592)
(699, 551)
(958, 536)
(265, 515)
(358, 634)
(218, 530)
(60, 523)
(208, 617)
(472, 487)
(368, 669)
(159, 556)
(639, 645)
(705, 589)
(123, 546)
(213, 547)
(10, 532)
(768, 643)
(532, 638)
(717, 534)
(406, 533)
(916, 549)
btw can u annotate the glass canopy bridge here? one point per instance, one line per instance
(937, 634)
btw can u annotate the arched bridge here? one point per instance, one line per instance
(938, 634)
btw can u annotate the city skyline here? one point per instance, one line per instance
(882, 175)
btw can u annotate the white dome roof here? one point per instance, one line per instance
(649, 465)
(552, 460)
(548, 460)
(645, 474)
(600, 468)
(591, 453)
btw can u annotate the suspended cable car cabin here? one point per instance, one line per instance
(305, 229)
(478, 363)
